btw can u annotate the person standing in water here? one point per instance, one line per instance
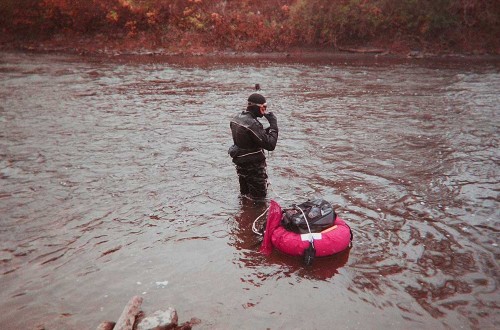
(250, 139)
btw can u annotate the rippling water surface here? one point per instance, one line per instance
(115, 181)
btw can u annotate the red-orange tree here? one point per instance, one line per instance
(263, 24)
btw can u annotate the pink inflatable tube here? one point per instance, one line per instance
(332, 240)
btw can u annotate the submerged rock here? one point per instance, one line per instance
(106, 326)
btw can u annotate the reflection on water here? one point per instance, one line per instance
(115, 177)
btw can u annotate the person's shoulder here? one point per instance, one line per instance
(244, 115)
(240, 119)
(255, 122)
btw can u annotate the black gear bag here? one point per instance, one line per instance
(319, 214)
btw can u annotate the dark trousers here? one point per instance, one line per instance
(253, 179)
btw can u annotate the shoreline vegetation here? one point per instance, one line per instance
(408, 28)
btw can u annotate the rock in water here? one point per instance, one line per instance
(106, 326)
(159, 320)
(127, 319)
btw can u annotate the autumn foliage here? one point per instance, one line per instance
(260, 25)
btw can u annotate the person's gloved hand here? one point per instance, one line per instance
(233, 150)
(271, 118)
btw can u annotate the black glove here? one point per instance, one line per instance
(233, 150)
(271, 118)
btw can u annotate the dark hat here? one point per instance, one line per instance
(256, 99)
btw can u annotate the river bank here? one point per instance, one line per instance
(148, 45)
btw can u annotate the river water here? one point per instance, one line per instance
(115, 181)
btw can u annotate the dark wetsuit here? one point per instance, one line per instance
(250, 139)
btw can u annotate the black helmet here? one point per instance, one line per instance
(255, 101)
